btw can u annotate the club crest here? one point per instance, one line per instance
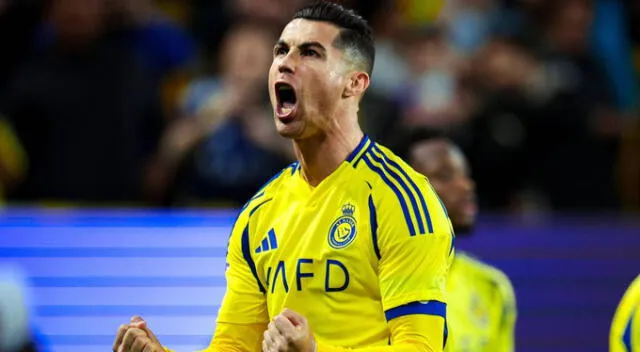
(343, 230)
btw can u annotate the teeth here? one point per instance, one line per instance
(286, 110)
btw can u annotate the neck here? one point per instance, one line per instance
(321, 155)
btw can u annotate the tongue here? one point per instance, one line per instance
(287, 107)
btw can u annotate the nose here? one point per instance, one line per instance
(287, 64)
(467, 184)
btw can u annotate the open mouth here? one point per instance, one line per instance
(286, 96)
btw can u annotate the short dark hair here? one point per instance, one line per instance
(408, 138)
(355, 32)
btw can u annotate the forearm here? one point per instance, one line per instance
(410, 333)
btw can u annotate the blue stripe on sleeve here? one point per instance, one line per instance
(453, 243)
(423, 203)
(373, 220)
(626, 337)
(446, 334)
(403, 203)
(246, 205)
(428, 308)
(259, 205)
(404, 186)
(246, 253)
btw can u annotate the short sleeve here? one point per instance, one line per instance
(413, 264)
(244, 300)
(505, 338)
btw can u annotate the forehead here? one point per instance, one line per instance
(300, 31)
(439, 154)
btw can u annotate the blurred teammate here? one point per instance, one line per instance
(481, 311)
(625, 329)
(348, 248)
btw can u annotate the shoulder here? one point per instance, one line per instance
(634, 287)
(631, 297)
(489, 273)
(402, 191)
(382, 167)
(268, 191)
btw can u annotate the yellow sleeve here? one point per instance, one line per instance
(631, 334)
(625, 328)
(414, 263)
(244, 301)
(505, 337)
(243, 315)
(409, 333)
(635, 333)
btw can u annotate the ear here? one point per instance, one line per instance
(357, 84)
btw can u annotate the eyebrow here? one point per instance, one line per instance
(305, 45)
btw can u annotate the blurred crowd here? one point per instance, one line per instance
(164, 103)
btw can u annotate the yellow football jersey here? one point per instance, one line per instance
(625, 329)
(482, 309)
(370, 243)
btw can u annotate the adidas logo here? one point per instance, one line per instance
(268, 243)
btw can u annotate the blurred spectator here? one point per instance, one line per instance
(574, 140)
(211, 19)
(612, 45)
(379, 111)
(19, 20)
(390, 70)
(509, 90)
(419, 12)
(165, 49)
(547, 113)
(85, 110)
(432, 95)
(470, 23)
(226, 145)
(538, 86)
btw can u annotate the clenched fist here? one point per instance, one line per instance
(288, 332)
(136, 337)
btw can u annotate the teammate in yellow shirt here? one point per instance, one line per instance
(481, 311)
(625, 329)
(348, 248)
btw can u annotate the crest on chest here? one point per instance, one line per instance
(479, 312)
(344, 229)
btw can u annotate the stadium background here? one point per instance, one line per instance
(132, 130)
